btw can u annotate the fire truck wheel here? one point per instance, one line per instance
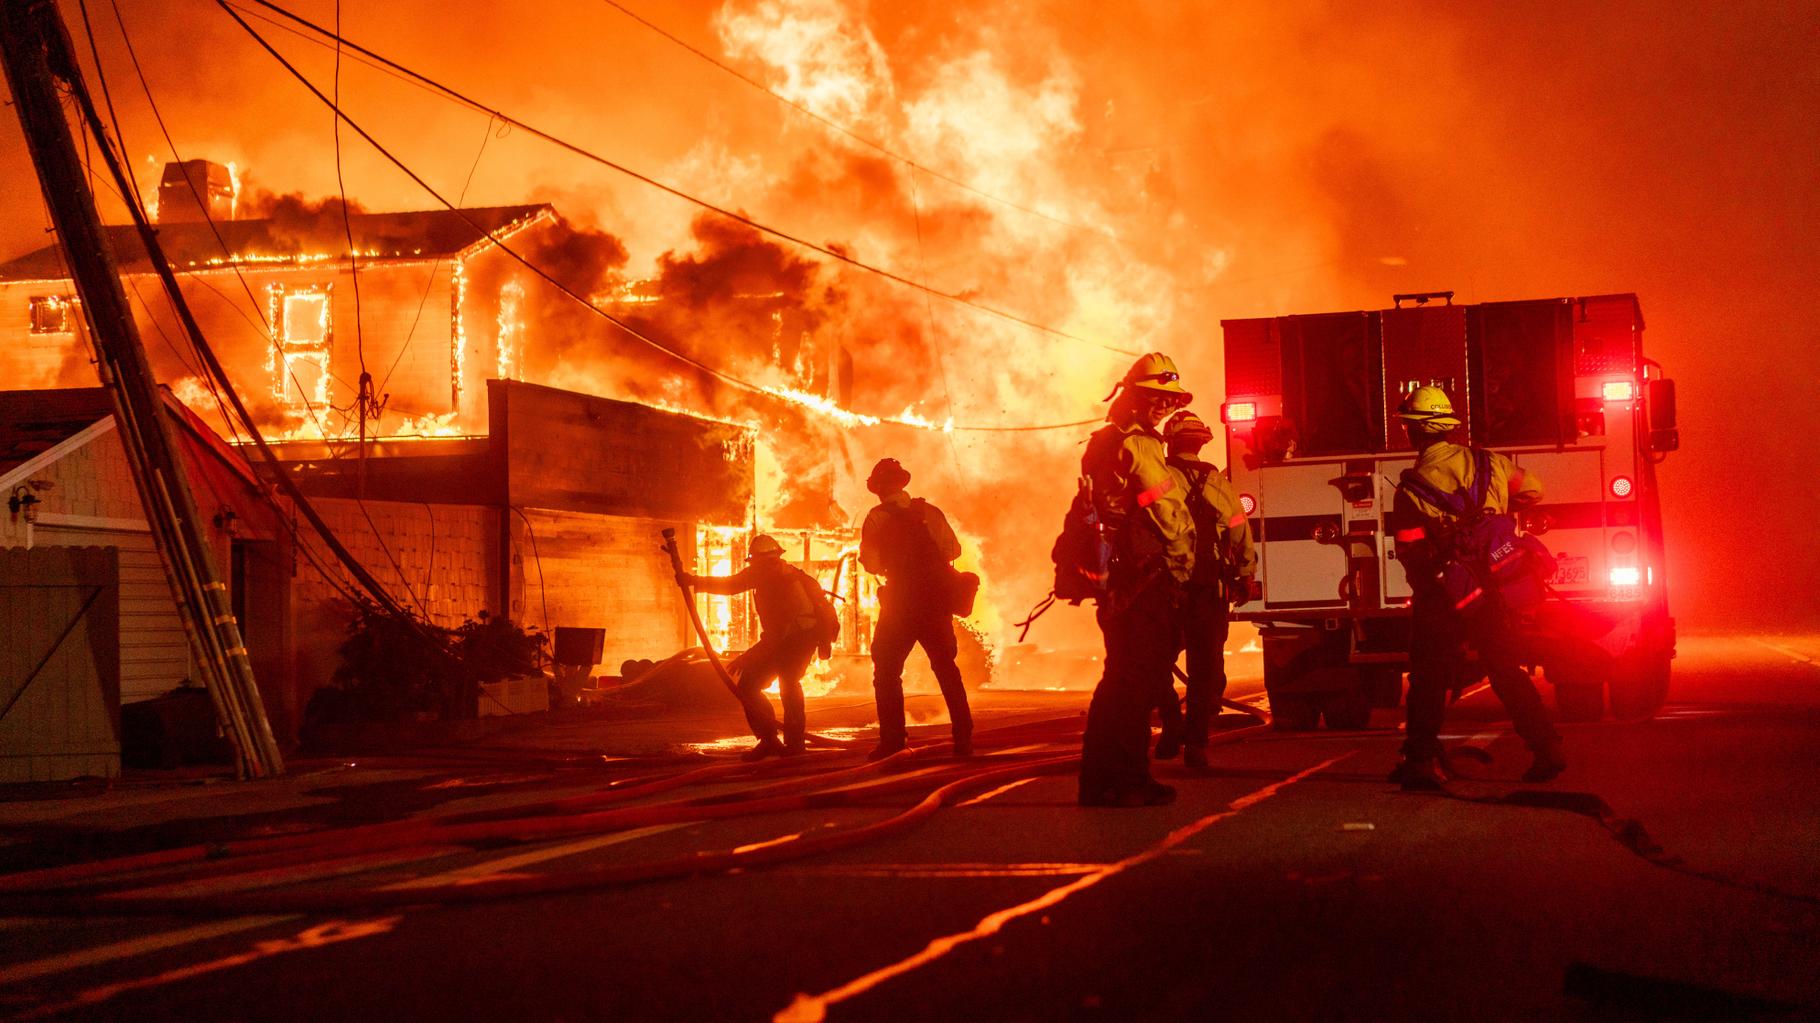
(1346, 711)
(1580, 701)
(1294, 712)
(1639, 686)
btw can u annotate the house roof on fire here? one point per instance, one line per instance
(378, 237)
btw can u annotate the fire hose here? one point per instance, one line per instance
(71, 903)
(701, 631)
(528, 823)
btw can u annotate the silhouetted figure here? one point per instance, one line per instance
(909, 542)
(1140, 503)
(790, 633)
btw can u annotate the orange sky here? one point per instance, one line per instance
(1250, 159)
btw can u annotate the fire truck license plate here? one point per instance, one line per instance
(1569, 571)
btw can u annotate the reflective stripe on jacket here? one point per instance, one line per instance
(1140, 498)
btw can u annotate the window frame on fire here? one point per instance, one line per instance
(285, 352)
(61, 303)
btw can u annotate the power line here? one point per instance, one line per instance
(854, 135)
(576, 149)
(201, 202)
(491, 236)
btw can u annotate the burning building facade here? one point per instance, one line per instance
(298, 302)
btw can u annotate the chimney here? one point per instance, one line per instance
(195, 190)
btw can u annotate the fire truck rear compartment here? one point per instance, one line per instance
(1559, 385)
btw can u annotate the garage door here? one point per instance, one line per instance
(154, 653)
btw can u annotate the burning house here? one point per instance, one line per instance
(299, 302)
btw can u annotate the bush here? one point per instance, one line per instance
(398, 669)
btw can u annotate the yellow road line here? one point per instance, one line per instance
(809, 1008)
(16, 972)
(1788, 652)
(506, 864)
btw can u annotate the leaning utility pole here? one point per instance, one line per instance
(38, 55)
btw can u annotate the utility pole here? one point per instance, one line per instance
(38, 55)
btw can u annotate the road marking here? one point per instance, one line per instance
(814, 1008)
(1001, 790)
(507, 864)
(1789, 652)
(17, 972)
(330, 933)
(951, 869)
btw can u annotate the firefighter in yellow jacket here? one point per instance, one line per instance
(1439, 630)
(791, 633)
(1225, 561)
(908, 541)
(1141, 505)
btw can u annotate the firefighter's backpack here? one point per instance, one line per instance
(827, 618)
(1484, 553)
(913, 559)
(1082, 553)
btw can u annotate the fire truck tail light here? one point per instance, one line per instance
(1238, 412)
(1626, 575)
(1620, 390)
(1247, 503)
(1620, 486)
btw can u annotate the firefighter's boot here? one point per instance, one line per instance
(795, 746)
(963, 744)
(1420, 774)
(1169, 743)
(767, 747)
(1548, 764)
(886, 748)
(1195, 758)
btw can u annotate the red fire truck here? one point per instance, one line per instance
(1561, 385)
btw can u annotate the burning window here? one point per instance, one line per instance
(303, 333)
(50, 314)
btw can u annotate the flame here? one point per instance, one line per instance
(511, 330)
(819, 54)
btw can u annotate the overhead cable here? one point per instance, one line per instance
(809, 402)
(450, 93)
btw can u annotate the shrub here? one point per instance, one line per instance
(396, 669)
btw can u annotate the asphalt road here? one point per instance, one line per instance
(1673, 872)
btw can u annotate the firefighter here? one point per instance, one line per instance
(1440, 632)
(908, 541)
(1224, 563)
(791, 632)
(1141, 505)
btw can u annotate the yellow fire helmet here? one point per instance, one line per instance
(1185, 429)
(1429, 409)
(764, 547)
(1154, 372)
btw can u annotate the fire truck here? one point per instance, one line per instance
(1561, 385)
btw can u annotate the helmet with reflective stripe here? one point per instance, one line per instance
(1154, 372)
(1428, 409)
(764, 547)
(1185, 430)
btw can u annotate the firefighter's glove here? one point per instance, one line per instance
(825, 650)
